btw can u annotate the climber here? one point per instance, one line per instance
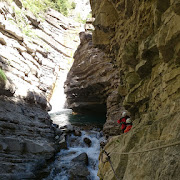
(128, 125)
(122, 120)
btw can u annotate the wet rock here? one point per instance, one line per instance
(57, 137)
(67, 128)
(82, 158)
(55, 126)
(74, 142)
(79, 168)
(62, 142)
(70, 128)
(58, 131)
(79, 172)
(77, 133)
(87, 141)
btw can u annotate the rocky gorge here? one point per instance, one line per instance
(33, 56)
(131, 62)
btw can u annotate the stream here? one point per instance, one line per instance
(79, 159)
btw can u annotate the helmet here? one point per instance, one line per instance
(128, 120)
(124, 113)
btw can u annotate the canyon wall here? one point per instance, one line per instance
(132, 62)
(32, 59)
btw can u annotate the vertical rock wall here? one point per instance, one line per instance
(140, 42)
(32, 65)
(143, 40)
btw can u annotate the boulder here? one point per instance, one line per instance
(67, 128)
(58, 132)
(82, 158)
(79, 172)
(87, 141)
(62, 142)
(77, 133)
(79, 168)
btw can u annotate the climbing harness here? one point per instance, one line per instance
(127, 153)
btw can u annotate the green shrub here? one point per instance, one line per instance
(2, 75)
(38, 7)
(63, 6)
(73, 5)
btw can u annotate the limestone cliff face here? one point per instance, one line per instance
(140, 41)
(89, 78)
(31, 65)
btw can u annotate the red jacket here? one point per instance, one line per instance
(128, 128)
(122, 121)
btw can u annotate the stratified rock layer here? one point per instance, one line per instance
(32, 66)
(140, 41)
(89, 77)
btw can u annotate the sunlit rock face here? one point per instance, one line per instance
(140, 40)
(32, 66)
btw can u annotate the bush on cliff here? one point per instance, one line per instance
(63, 6)
(40, 6)
(2, 75)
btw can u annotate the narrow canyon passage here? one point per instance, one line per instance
(34, 67)
(68, 71)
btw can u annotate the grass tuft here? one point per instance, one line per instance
(2, 75)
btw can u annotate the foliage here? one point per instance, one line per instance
(73, 5)
(89, 16)
(38, 7)
(2, 75)
(21, 21)
(79, 19)
(63, 6)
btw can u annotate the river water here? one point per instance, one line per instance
(90, 127)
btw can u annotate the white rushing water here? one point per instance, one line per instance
(75, 147)
(60, 168)
(58, 98)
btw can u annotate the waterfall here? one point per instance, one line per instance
(58, 98)
(63, 168)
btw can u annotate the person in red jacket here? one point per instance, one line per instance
(128, 125)
(122, 120)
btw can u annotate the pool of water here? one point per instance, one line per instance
(66, 116)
